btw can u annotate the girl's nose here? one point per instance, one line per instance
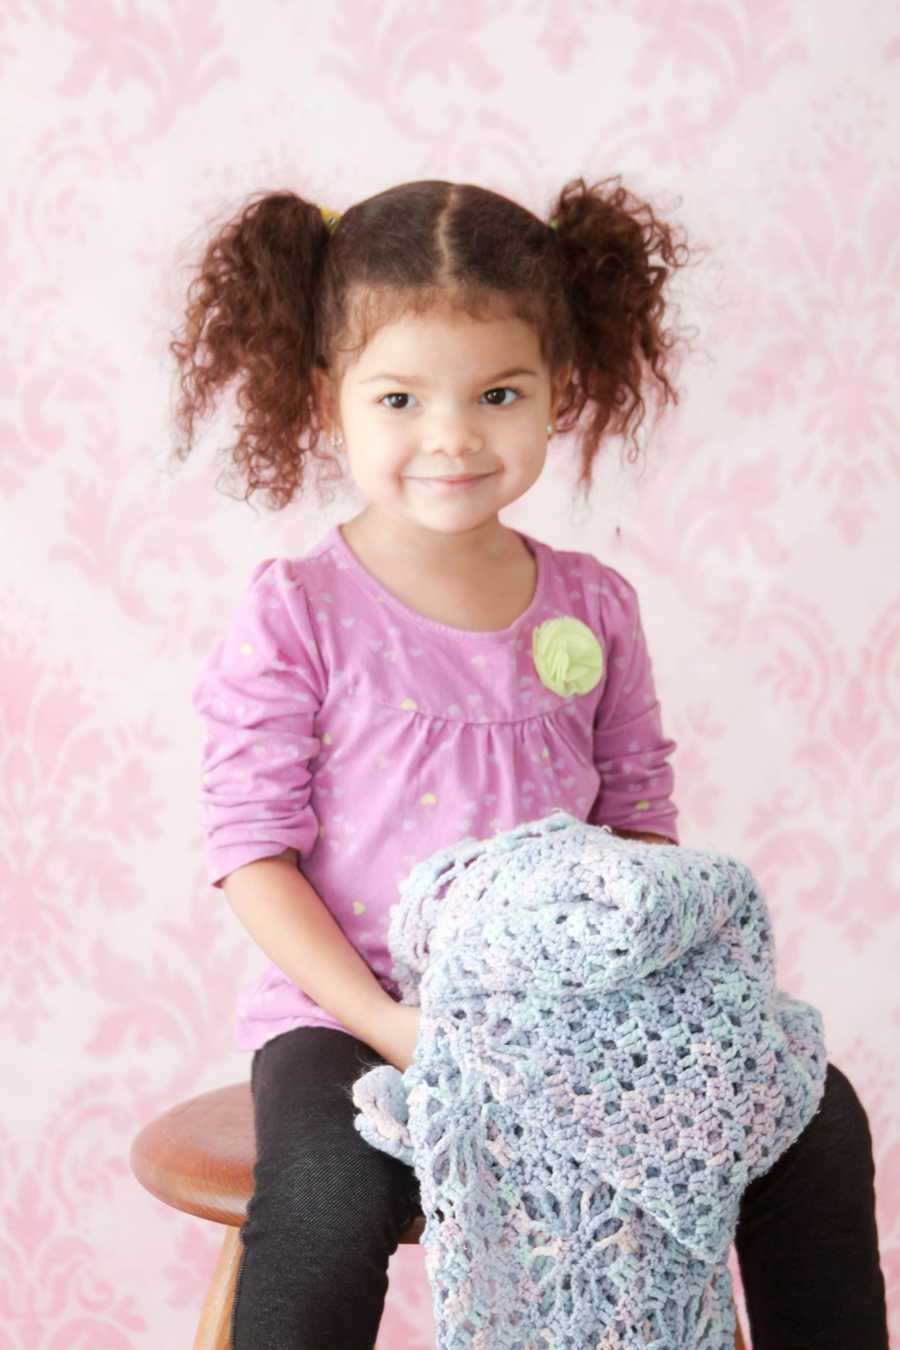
(453, 436)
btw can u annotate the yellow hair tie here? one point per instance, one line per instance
(330, 218)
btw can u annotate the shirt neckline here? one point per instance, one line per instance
(374, 586)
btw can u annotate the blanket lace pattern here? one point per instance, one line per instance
(604, 1064)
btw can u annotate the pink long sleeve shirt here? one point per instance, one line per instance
(343, 724)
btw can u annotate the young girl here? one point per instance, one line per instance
(391, 690)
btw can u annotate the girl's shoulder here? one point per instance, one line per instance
(290, 606)
(275, 620)
(608, 594)
(295, 577)
(273, 584)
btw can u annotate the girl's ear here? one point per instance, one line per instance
(559, 383)
(323, 388)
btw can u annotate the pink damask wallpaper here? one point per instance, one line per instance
(762, 535)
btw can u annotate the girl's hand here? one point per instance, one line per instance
(401, 1035)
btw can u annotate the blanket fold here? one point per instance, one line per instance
(604, 1064)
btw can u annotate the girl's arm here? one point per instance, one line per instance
(630, 749)
(288, 919)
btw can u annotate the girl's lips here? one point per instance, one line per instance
(456, 482)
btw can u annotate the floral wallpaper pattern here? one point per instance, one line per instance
(761, 531)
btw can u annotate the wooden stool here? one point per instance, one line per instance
(198, 1157)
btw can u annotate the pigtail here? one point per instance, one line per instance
(252, 314)
(616, 256)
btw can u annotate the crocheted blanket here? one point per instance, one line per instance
(604, 1064)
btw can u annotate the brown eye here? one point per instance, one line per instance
(503, 389)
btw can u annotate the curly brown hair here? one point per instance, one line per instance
(278, 293)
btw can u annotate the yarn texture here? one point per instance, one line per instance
(604, 1064)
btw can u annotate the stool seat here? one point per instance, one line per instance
(198, 1157)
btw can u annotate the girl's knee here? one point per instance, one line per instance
(842, 1116)
(842, 1102)
(347, 1196)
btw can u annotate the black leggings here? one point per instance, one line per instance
(328, 1210)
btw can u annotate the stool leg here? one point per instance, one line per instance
(214, 1328)
(738, 1338)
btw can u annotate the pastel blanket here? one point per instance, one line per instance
(604, 1064)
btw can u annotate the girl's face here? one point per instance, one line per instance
(444, 395)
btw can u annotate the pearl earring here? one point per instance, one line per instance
(549, 428)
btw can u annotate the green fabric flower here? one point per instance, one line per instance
(567, 655)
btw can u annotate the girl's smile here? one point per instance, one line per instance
(452, 483)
